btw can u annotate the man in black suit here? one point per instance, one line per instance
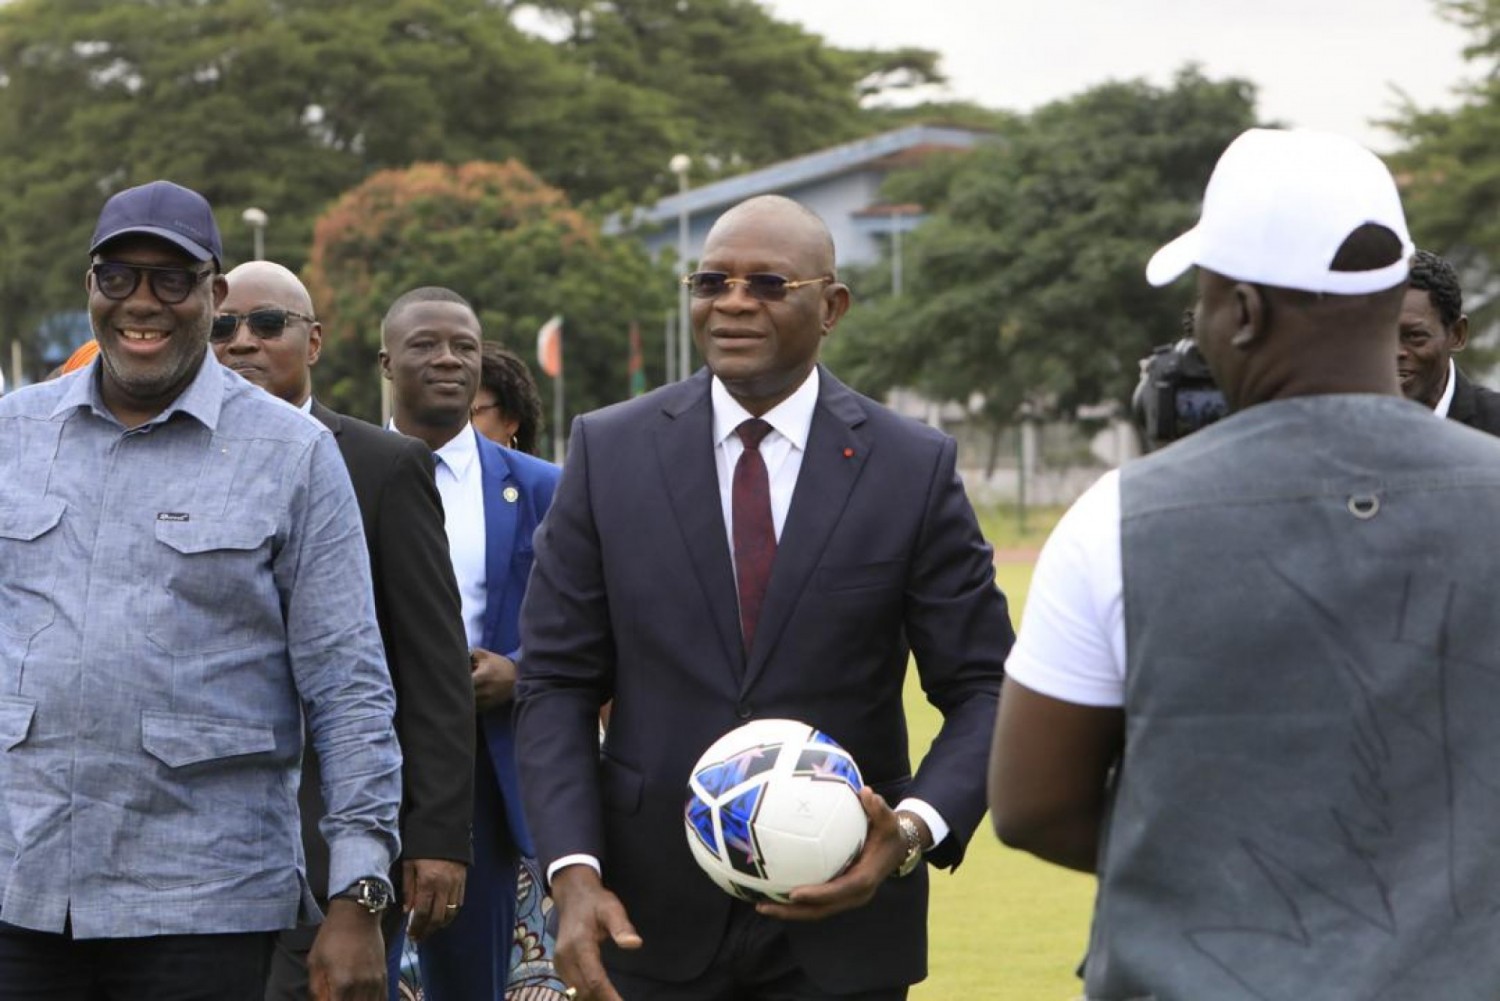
(266, 331)
(638, 596)
(1434, 329)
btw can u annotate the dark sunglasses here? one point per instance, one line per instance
(764, 287)
(266, 324)
(169, 285)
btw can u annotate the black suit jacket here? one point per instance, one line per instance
(1474, 405)
(421, 622)
(633, 598)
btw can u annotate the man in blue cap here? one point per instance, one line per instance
(185, 576)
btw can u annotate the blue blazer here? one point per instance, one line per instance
(518, 490)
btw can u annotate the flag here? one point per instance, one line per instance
(549, 347)
(637, 364)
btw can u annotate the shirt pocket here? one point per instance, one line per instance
(29, 560)
(16, 715)
(214, 589)
(212, 807)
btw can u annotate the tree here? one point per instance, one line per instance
(1026, 285)
(1448, 175)
(737, 88)
(504, 239)
(284, 104)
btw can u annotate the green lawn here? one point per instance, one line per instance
(1004, 927)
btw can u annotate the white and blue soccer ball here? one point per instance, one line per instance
(774, 805)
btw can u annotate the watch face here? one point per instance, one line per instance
(371, 894)
(378, 896)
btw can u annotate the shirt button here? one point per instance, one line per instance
(744, 710)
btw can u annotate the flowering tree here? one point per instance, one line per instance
(502, 238)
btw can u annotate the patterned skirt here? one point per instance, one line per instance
(531, 975)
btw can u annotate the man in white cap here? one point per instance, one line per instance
(1256, 680)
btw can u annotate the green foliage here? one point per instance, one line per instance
(509, 243)
(286, 104)
(1026, 285)
(736, 87)
(1449, 172)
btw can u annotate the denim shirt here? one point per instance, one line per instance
(172, 598)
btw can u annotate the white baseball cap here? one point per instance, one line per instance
(1278, 207)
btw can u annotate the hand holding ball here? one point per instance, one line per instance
(774, 805)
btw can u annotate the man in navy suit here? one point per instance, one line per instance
(657, 586)
(493, 498)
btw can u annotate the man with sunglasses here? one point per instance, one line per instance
(265, 330)
(184, 577)
(756, 541)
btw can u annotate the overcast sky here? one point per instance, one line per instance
(1328, 64)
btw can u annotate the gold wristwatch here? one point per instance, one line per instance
(912, 835)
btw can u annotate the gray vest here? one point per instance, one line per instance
(1308, 806)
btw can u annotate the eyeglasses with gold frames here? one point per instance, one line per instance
(762, 286)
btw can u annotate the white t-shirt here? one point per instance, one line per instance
(1071, 645)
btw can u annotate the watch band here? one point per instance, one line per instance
(911, 834)
(370, 893)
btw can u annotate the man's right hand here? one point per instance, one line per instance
(587, 914)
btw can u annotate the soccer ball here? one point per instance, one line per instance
(774, 805)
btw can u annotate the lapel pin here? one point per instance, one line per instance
(510, 494)
(848, 453)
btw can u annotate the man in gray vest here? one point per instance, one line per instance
(1258, 672)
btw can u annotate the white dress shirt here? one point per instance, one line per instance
(460, 483)
(1447, 398)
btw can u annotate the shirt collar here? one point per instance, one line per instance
(202, 400)
(1447, 400)
(791, 418)
(459, 453)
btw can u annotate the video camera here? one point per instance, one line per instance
(1176, 395)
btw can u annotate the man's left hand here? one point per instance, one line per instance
(347, 961)
(881, 856)
(494, 678)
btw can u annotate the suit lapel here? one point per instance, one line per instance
(499, 532)
(836, 453)
(327, 418)
(685, 454)
(1461, 408)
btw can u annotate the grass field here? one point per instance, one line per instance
(1004, 927)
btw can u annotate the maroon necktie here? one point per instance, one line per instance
(754, 532)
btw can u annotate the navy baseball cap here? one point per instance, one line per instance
(178, 215)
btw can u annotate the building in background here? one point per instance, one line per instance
(841, 184)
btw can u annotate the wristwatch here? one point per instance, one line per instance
(371, 894)
(912, 835)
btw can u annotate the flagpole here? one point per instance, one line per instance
(549, 354)
(559, 434)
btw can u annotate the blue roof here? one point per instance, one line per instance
(799, 171)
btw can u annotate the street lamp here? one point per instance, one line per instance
(256, 219)
(896, 261)
(679, 166)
